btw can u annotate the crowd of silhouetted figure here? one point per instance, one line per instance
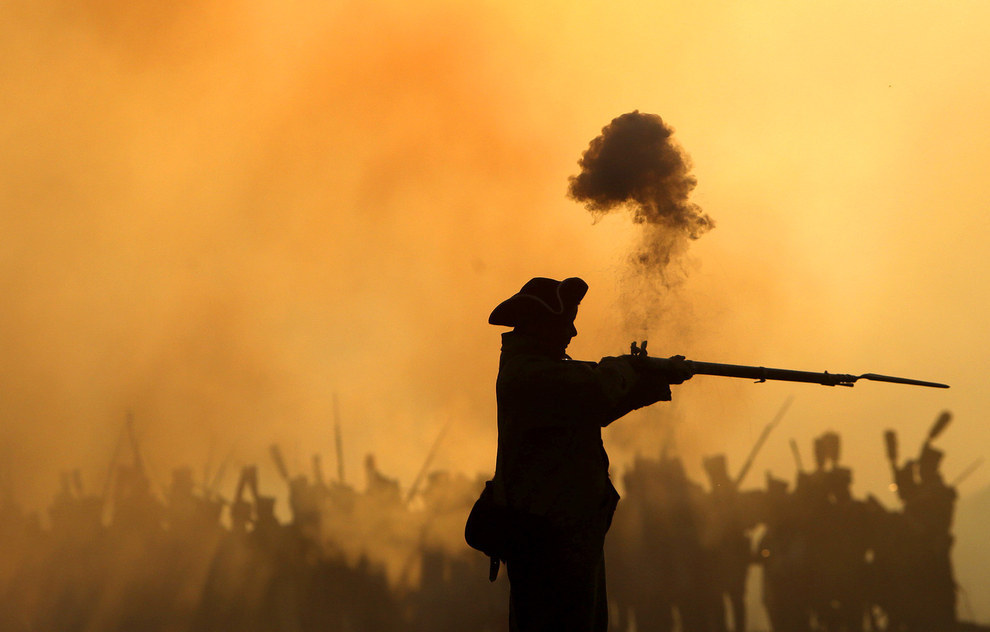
(680, 554)
(183, 558)
(136, 556)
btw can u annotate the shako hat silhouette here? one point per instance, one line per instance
(539, 298)
(716, 467)
(930, 457)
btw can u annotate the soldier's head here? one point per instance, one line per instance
(182, 482)
(717, 469)
(265, 509)
(840, 484)
(544, 308)
(776, 491)
(776, 486)
(832, 445)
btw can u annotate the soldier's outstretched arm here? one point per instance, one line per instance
(600, 392)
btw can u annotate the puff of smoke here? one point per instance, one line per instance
(636, 164)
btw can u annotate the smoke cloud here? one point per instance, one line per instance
(635, 164)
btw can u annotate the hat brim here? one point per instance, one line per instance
(537, 299)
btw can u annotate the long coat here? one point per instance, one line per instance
(552, 467)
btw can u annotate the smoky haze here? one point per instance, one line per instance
(217, 225)
(217, 215)
(217, 231)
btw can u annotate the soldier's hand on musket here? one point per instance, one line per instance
(673, 370)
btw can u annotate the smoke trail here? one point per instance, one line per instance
(635, 164)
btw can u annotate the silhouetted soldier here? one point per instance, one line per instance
(136, 510)
(641, 550)
(726, 541)
(380, 487)
(783, 551)
(551, 467)
(887, 564)
(232, 567)
(692, 585)
(929, 513)
(840, 555)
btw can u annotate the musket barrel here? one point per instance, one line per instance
(763, 373)
(825, 378)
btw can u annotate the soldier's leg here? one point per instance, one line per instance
(558, 585)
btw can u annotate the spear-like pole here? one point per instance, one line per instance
(797, 455)
(414, 488)
(938, 427)
(761, 440)
(337, 438)
(965, 473)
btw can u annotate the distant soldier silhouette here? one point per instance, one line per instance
(783, 550)
(929, 514)
(840, 561)
(729, 516)
(551, 468)
(378, 485)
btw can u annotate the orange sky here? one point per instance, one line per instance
(218, 214)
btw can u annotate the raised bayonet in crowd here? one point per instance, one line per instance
(762, 374)
(797, 455)
(975, 465)
(279, 460)
(338, 440)
(414, 488)
(761, 440)
(941, 422)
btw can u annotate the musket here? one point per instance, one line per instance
(208, 464)
(965, 474)
(890, 440)
(77, 483)
(797, 455)
(108, 481)
(135, 447)
(414, 489)
(217, 479)
(318, 471)
(337, 439)
(941, 422)
(762, 374)
(276, 453)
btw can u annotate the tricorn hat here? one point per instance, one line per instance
(539, 298)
